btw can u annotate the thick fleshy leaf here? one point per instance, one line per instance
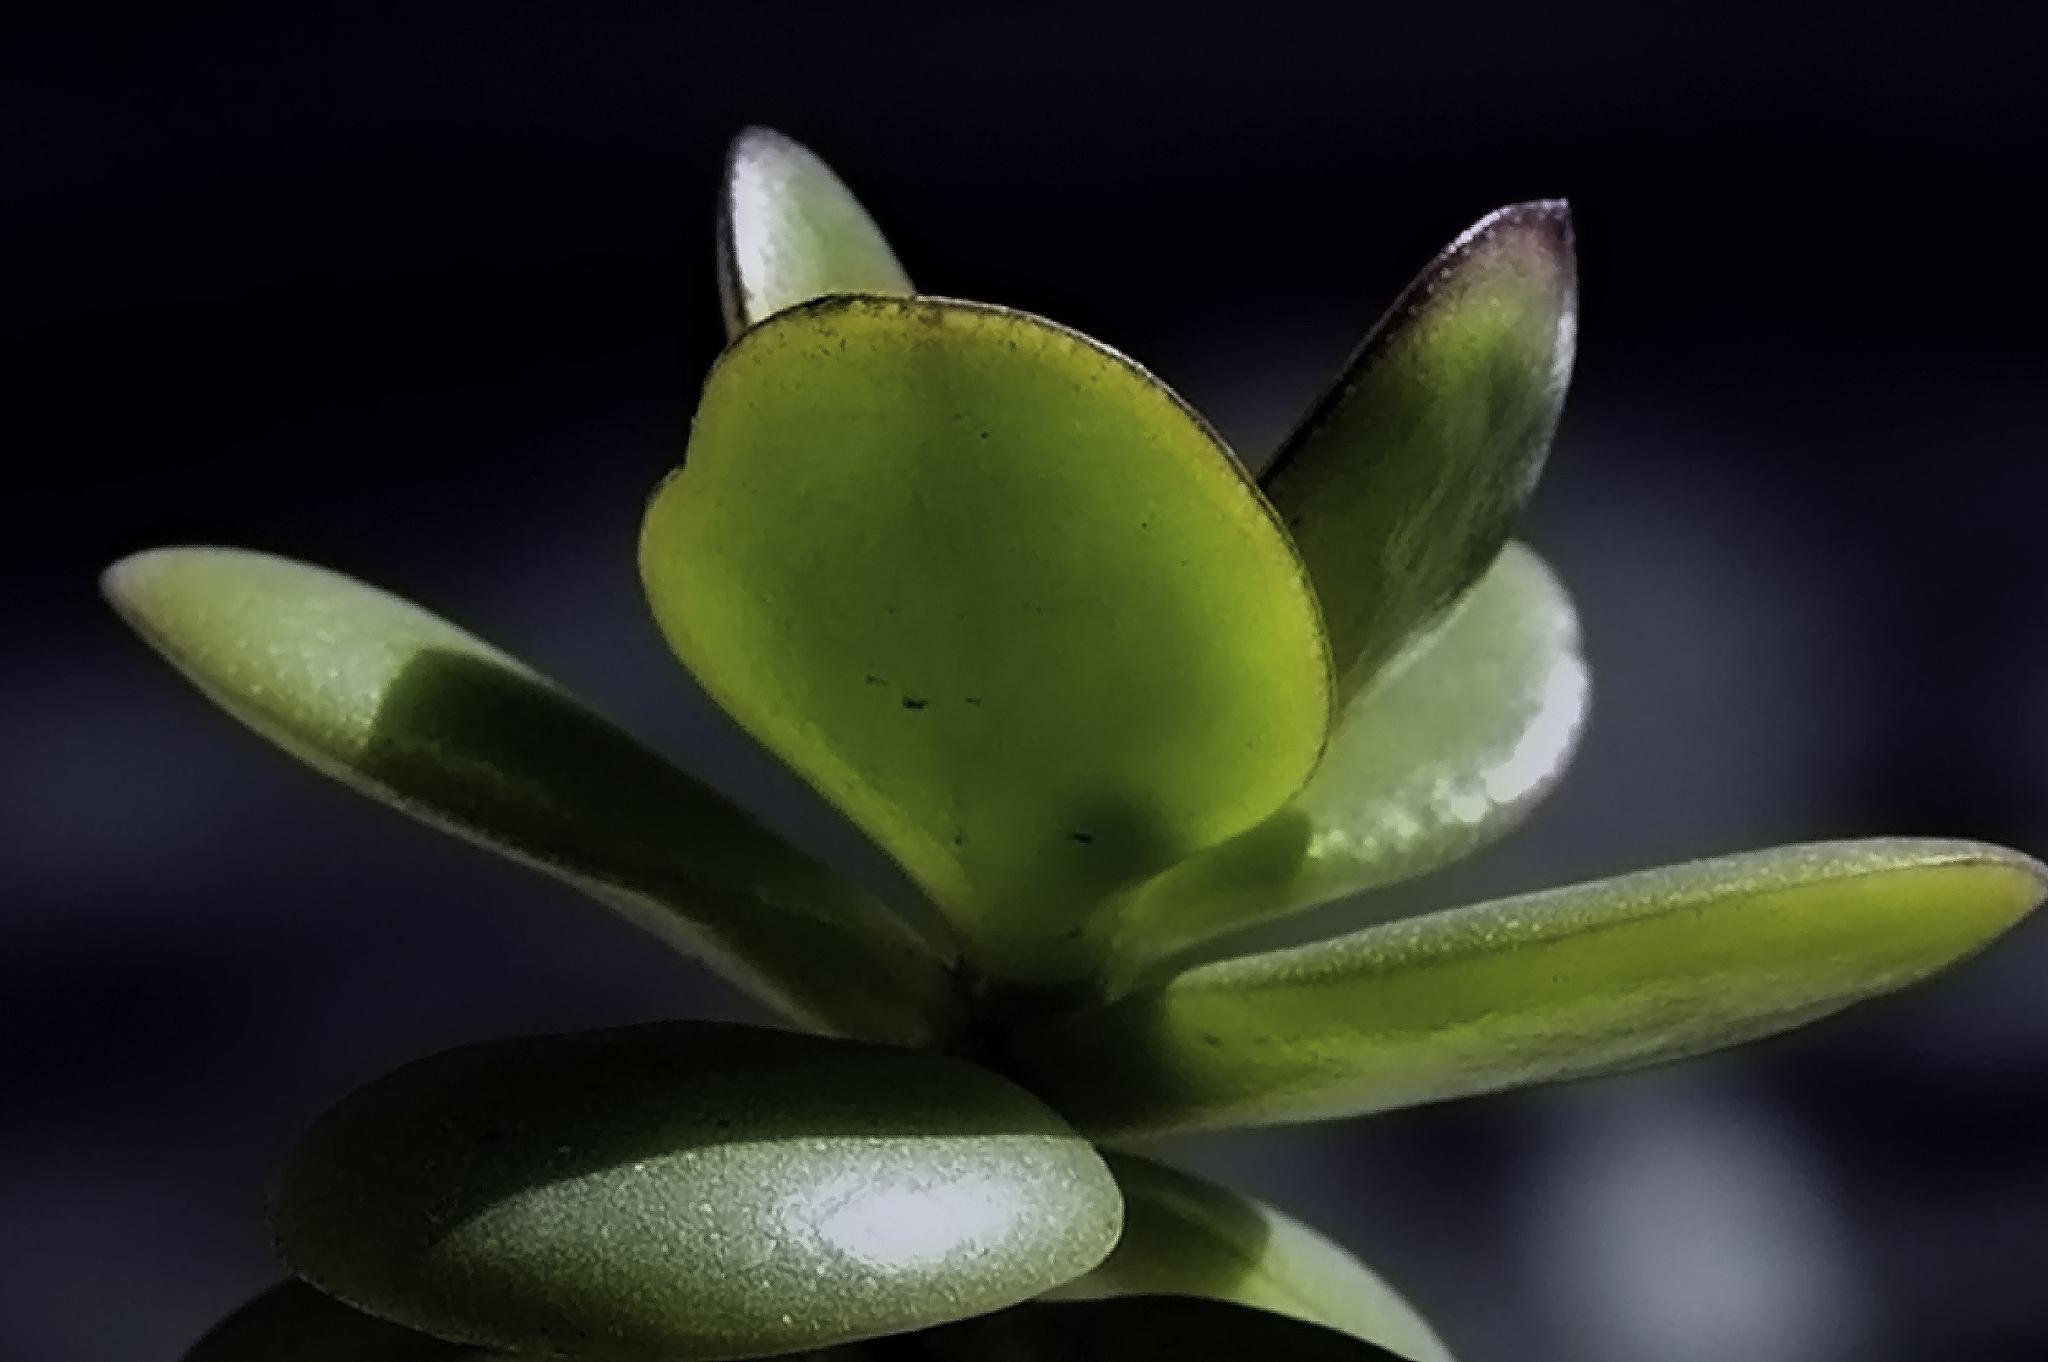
(687, 1190)
(1409, 474)
(1585, 980)
(1143, 1329)
(789, 231)
(1000, 597)
(295, 1323)
(1187, 1236)
(1447, 749)
(409, 709)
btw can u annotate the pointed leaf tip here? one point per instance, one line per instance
(1404, 481)
(789, 230)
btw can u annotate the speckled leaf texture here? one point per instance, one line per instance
(789, 231)
(1000, 597)
(1562, 984)
(1187, 1236)
(410, 710)
(686, 1190)
(1406, 479)
(1448, 748)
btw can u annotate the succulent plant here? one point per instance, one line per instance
(1106, 695)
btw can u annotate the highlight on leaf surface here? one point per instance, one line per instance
(1561, 984)
(1187, 1236)
(1408, 476)
(789, 231)
(412, 711)
(688, 1190)
(999, 596)
(1144, 1329)
(295, 1323)
(1448, 748)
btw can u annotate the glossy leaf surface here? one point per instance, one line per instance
(789, 231)
(1408, 476)
(999, 596)
(1187, 1236)
(295, 1323)
(1571, 982)
(1447, 749)
(1142, 1329)
(687, 1190)
(409, 709)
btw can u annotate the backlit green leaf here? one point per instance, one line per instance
(999, 596)
(1186, 1236)
(1446, 749)
(1585, 980)
(1408, 476)
(295, 1323)
(1143, 1329)
(409, 709)
(686, 1190)
(790, 231)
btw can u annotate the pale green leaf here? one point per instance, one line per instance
(1447, 749)
(1187, 1236)
(686, 1190)
(789, 231)
(295, 1323)
(1000, 597)
(1409, 474)
(405, 707)
(1571, 982)
(1142, 1329)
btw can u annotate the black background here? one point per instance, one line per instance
(423, 292)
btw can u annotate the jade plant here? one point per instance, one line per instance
(1107, 695)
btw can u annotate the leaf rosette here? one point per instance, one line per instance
(1107, 696)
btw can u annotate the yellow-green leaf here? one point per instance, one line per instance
(1571, 982)
(1449, 747)
(686, 1190)
(999, 596)
(789, 231)
(1408, 476)
(1144, 1329)
(295, 1323)
(410, 710)
(1187, 1236)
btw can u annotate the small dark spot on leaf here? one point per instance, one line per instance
(984, 435)
(974, 700)
(1086, 839)
(1071, 934)
(1209, 1038)
(874, 680)
(915, 702)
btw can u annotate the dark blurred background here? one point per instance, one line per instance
(423, 293)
